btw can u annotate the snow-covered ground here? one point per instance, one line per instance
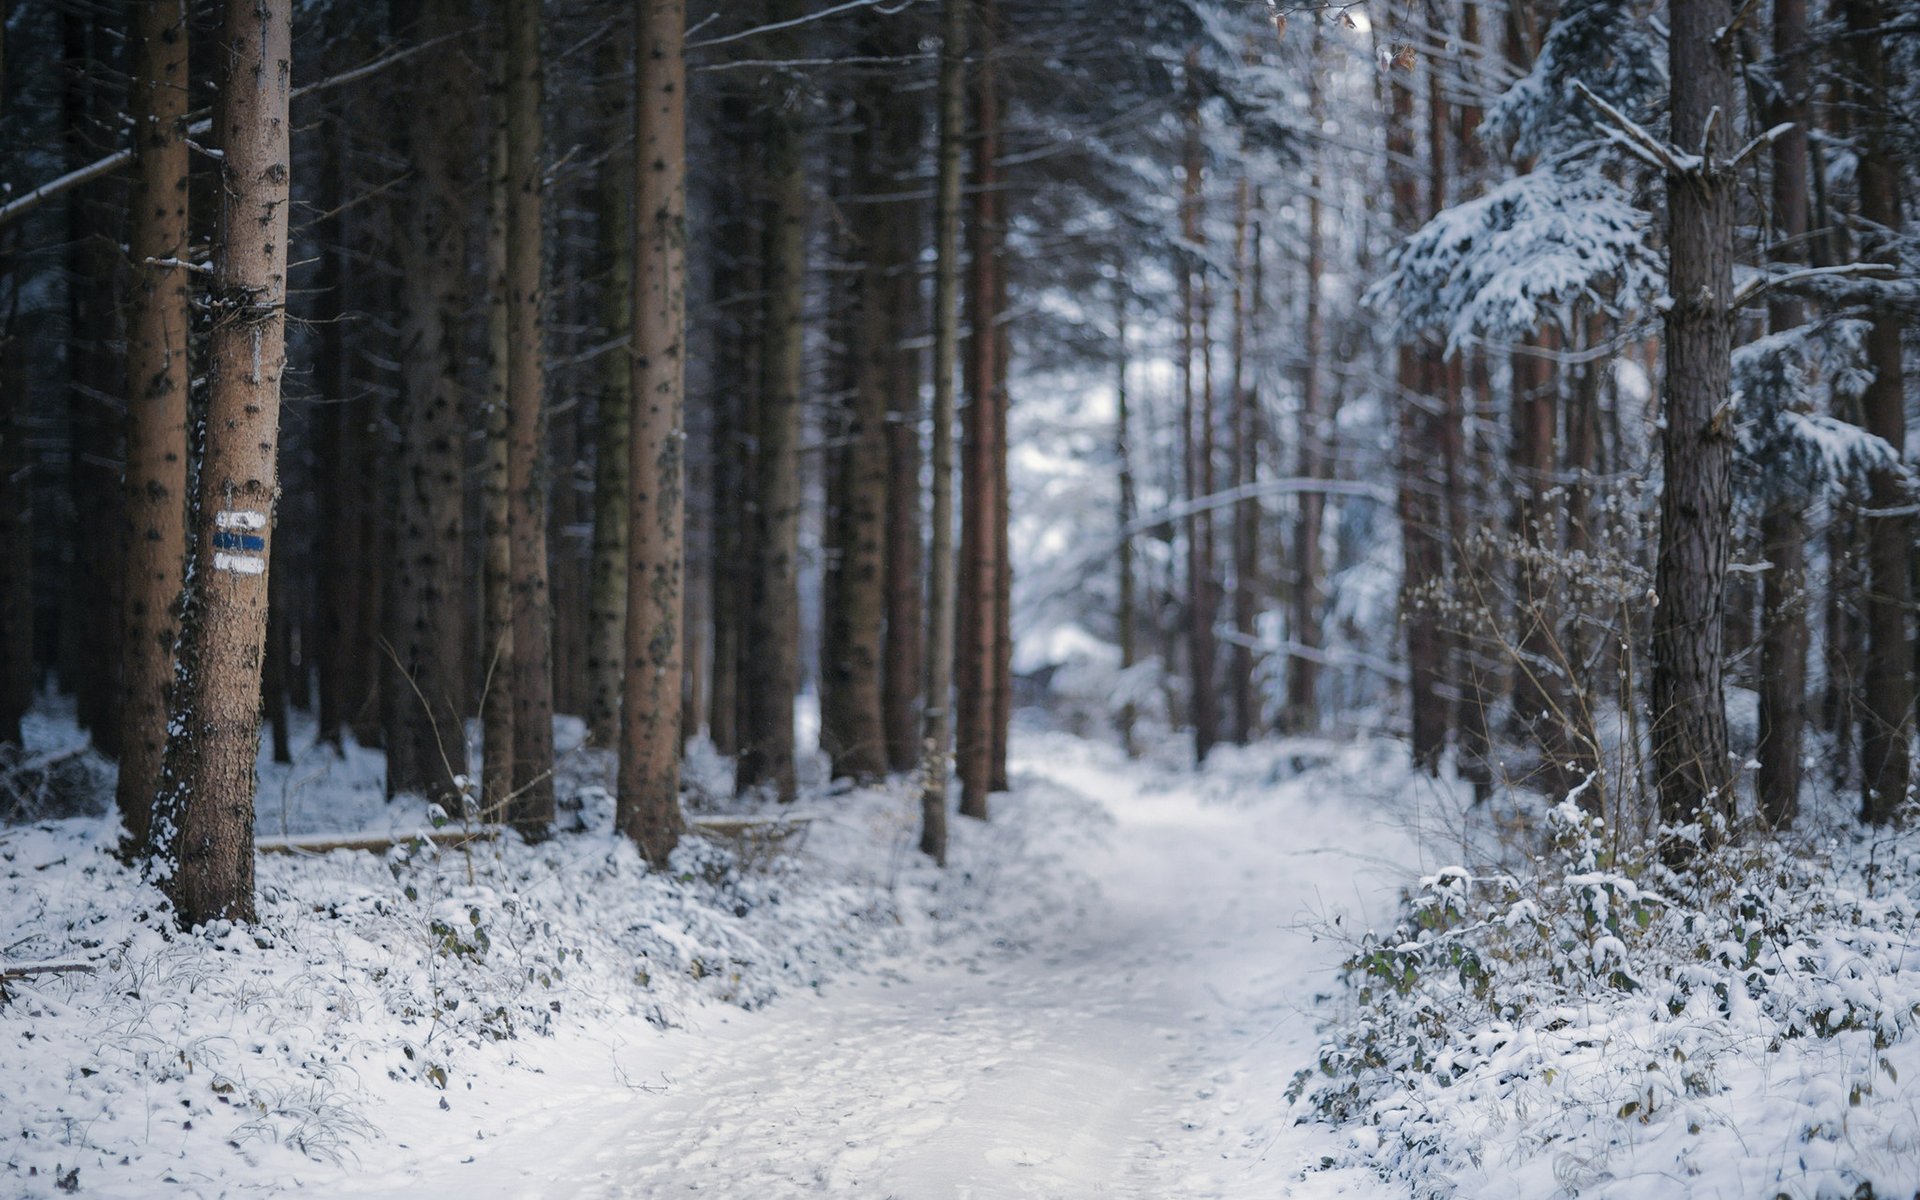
(1135, 1044)
(1106, 993)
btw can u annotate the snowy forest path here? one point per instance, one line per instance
(1139, 1047)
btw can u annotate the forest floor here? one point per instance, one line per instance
(1106, 993)
(1136, 1044)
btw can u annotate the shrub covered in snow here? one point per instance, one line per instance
(1604, 1026)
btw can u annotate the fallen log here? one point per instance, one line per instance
(26, 970)
(378, 843)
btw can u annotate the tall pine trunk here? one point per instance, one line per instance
(496, 505)
(1422, 551)
(607, 586)
(1196, 428)
(773, 633)
(157, 381)
(649, 785)
(904, 647)
(1245, 713)
(1886, 701)
(206, 814)
(531, 677)
(936, 714)
(1689, 733)
(1123, 563)
(980, 500)
(857, 742)
(1301, 713)
(1783, 529)
(425, 737)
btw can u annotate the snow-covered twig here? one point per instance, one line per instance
(1631, 136)
(1760, 283)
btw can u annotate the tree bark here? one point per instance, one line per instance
(158, 373)
(1689, 733)
(904, 649)
(530, 808)
(979, 566)
(736, 286)
(1196, 428)
(496, 573)
(607, 588)
(773, 633)
(1245, 468)
(1783, 532)
(1422, 552)
(937, 729)
(1886, 702)
(425, 738)
(206, 815)
(857, 742)
(1123, 563)
(649, 785)
(1301, 713)
(88, 620)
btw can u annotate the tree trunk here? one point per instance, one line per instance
(88, 621)
(857, 744)
(158, 371)
(1308, 595)
(1783, 532)
(496, 573)
(531, 804)
(1422, 551)
(1197, 436)
(904, 648)
(607, 589)
(1886, 702)
(1689, 732)
(937, 734)
(1123, 455)
(16, 516)
(736, 284)
(206, 816)
(1002, 687)
(649, 786)
(425, 739)
(979, 566)
(1246, 512)
(773, 633)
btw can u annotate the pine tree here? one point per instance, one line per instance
(205, 817)
(158, 372)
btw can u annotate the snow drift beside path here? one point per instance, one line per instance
(381, 995)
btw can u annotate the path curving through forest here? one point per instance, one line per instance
(1139, 1048)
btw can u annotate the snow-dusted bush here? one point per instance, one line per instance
(1605, 1026)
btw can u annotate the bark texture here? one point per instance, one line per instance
(904, 648)
(980, 515)
(773, 633)
(1783, 529)
(856, 738)
(607, 585)
(206, 818)
(425, 739)
(937, 731)
(496, 492)
(157, 380)
(530, 807)
(1887, 693)
(649, 785)
(1689, 733)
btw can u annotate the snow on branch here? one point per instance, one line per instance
(1597, 51)
(1787, 451)
(1501, 265)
